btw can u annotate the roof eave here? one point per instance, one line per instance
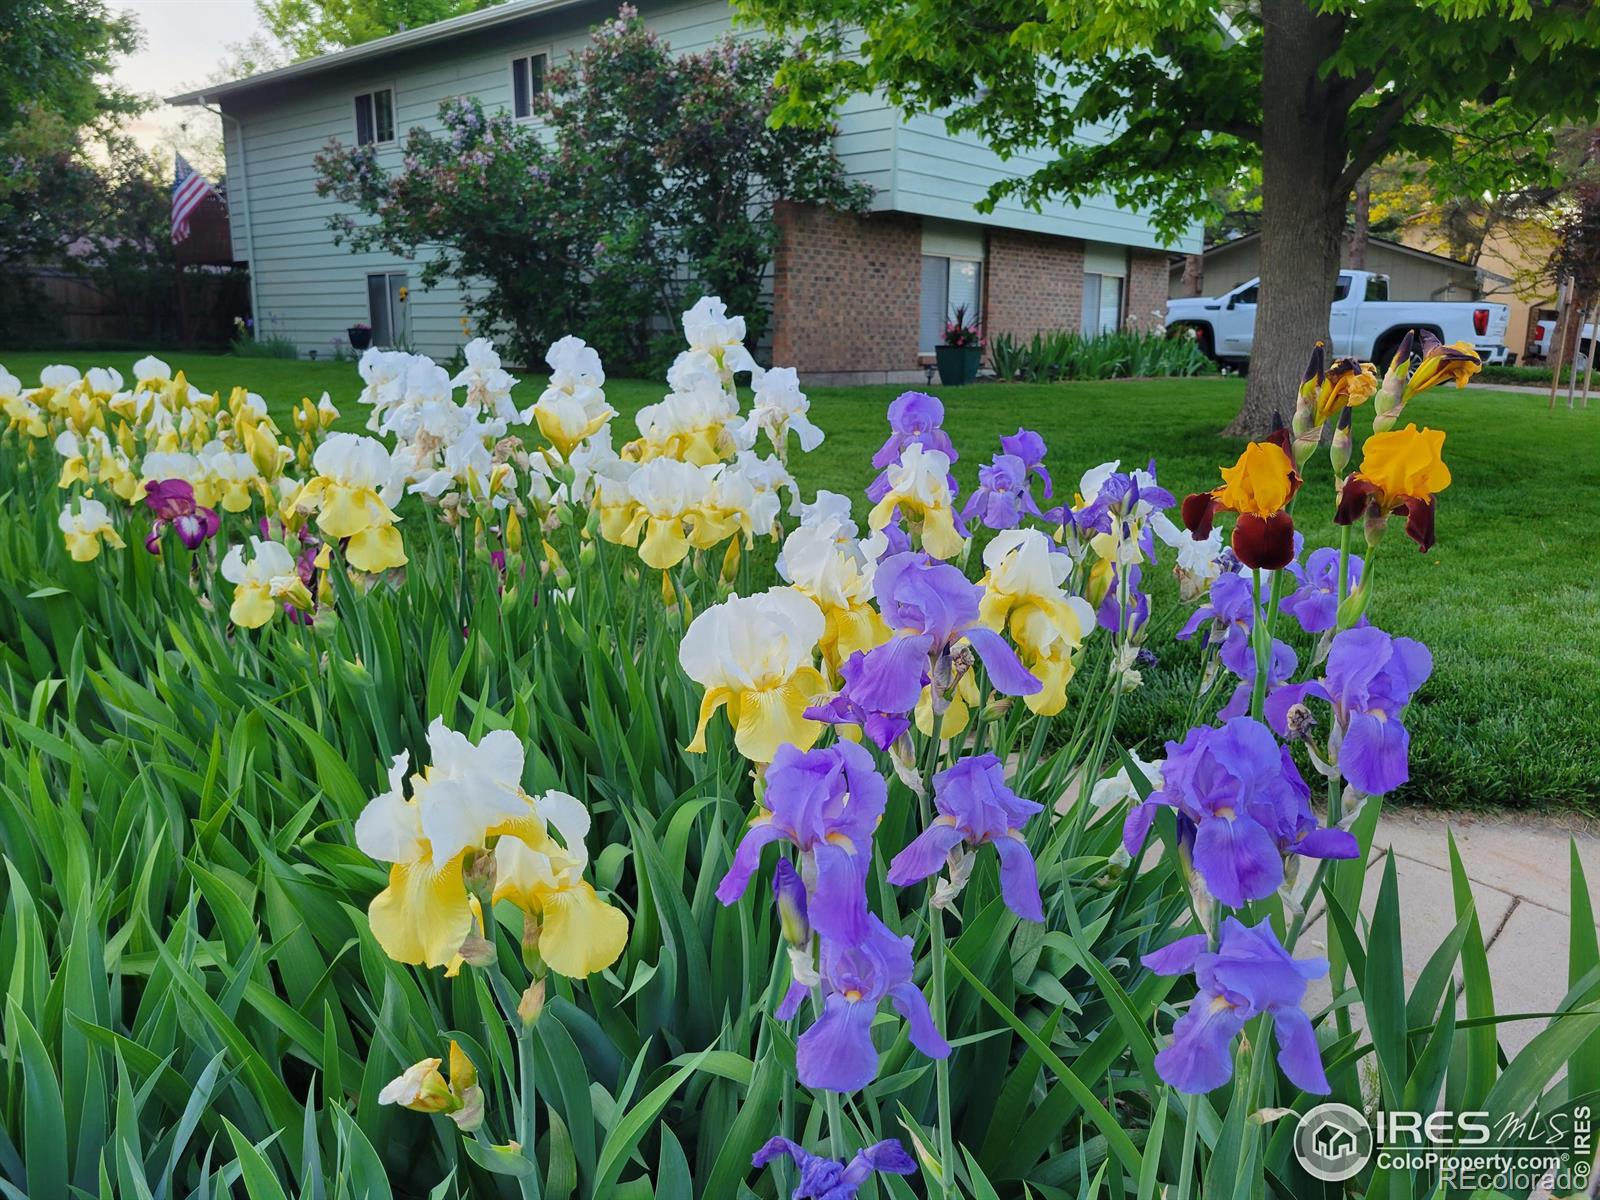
(484, 18)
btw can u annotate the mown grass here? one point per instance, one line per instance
(1509, 600)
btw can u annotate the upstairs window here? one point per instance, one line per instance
(527, 81)
(375, 117)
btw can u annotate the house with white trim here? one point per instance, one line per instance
(855, 298)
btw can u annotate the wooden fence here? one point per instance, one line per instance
(159, 307)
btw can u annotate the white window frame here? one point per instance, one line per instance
(545, 52)
(394, 114)
(973, 318)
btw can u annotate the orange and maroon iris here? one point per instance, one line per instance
(1258, 488)
(1402, 471)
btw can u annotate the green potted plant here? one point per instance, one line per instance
(962, 351)
(360, 335)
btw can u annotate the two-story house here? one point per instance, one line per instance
(854, 298)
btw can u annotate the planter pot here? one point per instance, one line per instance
(360, 338)
(958, 364)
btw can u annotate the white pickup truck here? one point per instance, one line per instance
(1364, 322)
(1545, 330)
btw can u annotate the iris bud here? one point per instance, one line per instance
(790, 894)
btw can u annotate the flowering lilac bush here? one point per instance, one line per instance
(611, 209)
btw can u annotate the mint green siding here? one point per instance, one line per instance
(311, 291)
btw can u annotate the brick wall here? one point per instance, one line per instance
(1035, 282)
(1147, 289)
(846, 290)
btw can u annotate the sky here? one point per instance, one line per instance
(184, 42)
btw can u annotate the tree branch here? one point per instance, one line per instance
(1376, 143)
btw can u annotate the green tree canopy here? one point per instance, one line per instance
(305, 28)
(1168, 105)
(58, 58)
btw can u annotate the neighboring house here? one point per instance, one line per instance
(855, 298)
(1414, 274)
(1518, 255)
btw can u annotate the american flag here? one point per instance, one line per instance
(189, 188)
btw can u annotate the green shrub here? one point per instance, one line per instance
(1067, 354)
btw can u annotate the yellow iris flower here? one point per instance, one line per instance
(1024, 593)
(354, 474)
(86, 529)
(756, 655)
(423, 1088)
(468, 804)
(919, 488)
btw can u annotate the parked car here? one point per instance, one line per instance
(1363, 321)
(1545, 330)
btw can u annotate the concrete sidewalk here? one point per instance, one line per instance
(1520, 876)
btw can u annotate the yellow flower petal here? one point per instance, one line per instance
(343, 512)
(376, 549)
(582, 934)
(776, 716)
(423, 915)
(664, 544)
(252, 606)
(714, 699)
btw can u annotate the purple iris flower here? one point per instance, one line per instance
(828, 1179)
(975, 806)
(1030, 448)
(1003, 495)
(837, 1053)
(1229, 610)
(1113, 616)
(1239, 656)
(930, 605)
(1315, 603)
(1370, 678)
(172, 502)
(860, 672)
(827, 803)
(914, 418)
(1250, 973)
(1123, 495)
(1249, 805)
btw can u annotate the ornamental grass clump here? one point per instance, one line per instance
(641, 826)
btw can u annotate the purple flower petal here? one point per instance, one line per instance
(746, 858)
(1019, 878)
(836, 1054)
(925, 854)
(1375, 755)
(1006, 672)
(1298, 1053)
(1238, 859)
(911, 1004)
(1176, 958)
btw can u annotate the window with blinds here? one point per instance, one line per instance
(375, 117)
(1102, 304)
(948, 284)
(527, 81)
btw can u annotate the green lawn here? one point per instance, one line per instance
(1509, 600)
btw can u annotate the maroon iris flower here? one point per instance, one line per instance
(172, 502)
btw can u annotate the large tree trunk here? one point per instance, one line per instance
(1303, 155)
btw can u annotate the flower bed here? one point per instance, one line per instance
(505, 783)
